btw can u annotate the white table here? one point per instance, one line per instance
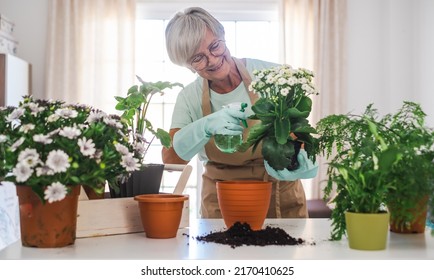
(185, 246)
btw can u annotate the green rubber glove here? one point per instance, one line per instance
(189, 140)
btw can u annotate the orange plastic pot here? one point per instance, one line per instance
(244, 201)
(47, 225)
(415, 225)
(161, 214)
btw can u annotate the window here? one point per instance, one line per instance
(249, 33)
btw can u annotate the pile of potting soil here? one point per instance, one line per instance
(241, 234)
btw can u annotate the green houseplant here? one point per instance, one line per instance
(360, 160)
(282, 109)
(413, 176)
(51, 149)
(134, 107)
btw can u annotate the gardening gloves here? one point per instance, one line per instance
(306, 170)
(189, 140)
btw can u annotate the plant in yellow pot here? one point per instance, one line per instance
(358, 170)
(49, 149)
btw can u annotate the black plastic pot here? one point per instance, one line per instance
(144, 181)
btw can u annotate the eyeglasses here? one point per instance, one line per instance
(200, 61)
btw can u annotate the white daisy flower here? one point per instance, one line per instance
(58, 161)
(284, 92)
(44, 171)
(3, 138)
(70, 132)
(140, 147)
(112, 122)
(35, 109)
(44, 139)
(95, 116)
(281, 81)
(121, 149)
(130, 163)
(67, 113)
(53, 118)
(22, 172)
(87, 147)
(15, 115)
(29, 157)
(17, 144)
(27, 127)
(55, 192)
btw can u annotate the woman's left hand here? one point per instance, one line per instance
(306, 170)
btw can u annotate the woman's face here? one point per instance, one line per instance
(212, 59)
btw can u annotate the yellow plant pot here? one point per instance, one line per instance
(367, 231)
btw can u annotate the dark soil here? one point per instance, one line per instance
(241, 234)
(294, 161)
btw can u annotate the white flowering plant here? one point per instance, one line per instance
(283, 108)
(52, 146)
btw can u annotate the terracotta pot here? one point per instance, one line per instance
(367, 231)
(415, 225)
(244, 201)
(161, 214)
(92, 194)
(48, 225)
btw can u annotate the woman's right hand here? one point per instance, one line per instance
(225, 121)
(189, 140)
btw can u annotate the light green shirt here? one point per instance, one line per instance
(188, 107)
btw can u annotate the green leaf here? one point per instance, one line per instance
(296, 113)
(305, 105)
(264, 110)
(282, 128)
(164, 137)
(277, 155)
(256, 133)
(388, 158)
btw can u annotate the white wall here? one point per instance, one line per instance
(390, 50)
(390, 54)
(30, 18)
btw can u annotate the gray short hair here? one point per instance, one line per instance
(186, 30)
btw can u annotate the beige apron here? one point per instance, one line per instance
(287, 200)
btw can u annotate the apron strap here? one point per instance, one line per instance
(247, 80)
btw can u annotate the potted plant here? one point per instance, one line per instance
(282, 109)
(360, 160)
(413, 176)
(134, 107)
(49, 149)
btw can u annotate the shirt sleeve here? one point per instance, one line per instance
(188, 106)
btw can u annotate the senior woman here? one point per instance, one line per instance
(196, 40)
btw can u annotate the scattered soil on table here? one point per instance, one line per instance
(241, 234)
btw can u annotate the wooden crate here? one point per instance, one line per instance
(100, 217)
